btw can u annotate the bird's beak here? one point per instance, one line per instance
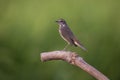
(56, 21)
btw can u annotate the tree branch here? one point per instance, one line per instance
(74, 59)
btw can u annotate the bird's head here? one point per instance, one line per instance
(61, 22)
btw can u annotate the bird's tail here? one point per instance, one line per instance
(77, 42)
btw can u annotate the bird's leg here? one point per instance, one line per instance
(65, 47)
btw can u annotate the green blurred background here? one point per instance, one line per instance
(27, 28)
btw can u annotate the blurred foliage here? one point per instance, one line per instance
(27, 28)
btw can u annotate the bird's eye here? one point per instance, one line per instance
(61, 21)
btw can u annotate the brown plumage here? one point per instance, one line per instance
(67, 34)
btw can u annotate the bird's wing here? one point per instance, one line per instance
(77, 42)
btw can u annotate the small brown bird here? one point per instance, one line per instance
(67, 34)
